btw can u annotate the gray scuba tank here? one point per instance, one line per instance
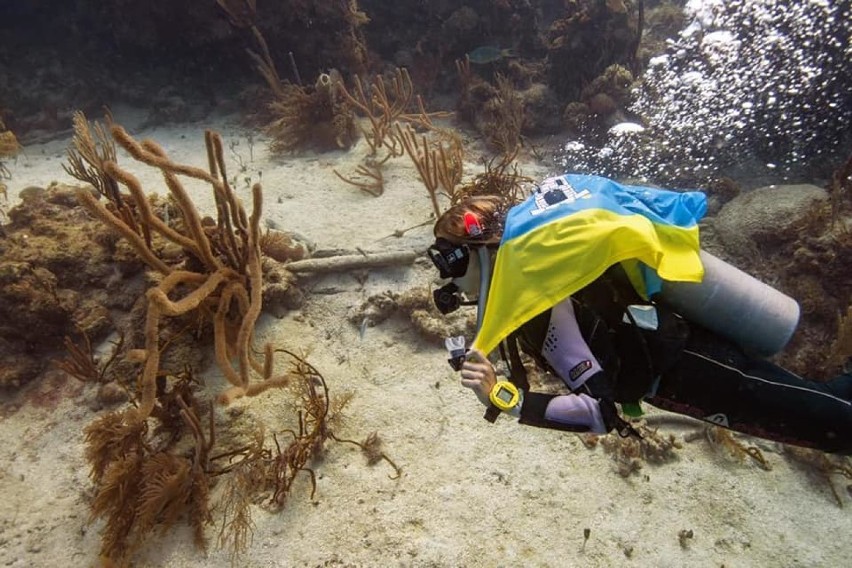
(754, 315)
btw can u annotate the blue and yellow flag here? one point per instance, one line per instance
(571, 230)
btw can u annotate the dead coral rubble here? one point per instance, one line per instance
(60, 274)
(420, 312)
(630, 453)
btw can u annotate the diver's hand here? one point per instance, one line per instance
(478, 375)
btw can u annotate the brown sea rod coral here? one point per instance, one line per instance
(221, 275)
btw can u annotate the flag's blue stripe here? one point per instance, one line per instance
(662, 207)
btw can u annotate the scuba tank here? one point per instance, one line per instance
(737, 306)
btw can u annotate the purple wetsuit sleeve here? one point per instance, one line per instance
(576, 410)
(566, 350)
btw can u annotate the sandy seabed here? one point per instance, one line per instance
(470, 493)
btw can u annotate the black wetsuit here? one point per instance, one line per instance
(684, 368)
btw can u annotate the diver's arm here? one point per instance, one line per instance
(566, 350)
(568, 354)
(573, 412)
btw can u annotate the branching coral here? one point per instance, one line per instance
(501, 177)
(724, 439)
(222, 277)
(439, 162)
(392, 127)
(152, 463)
(302, 116)
(353, 41)
(81, 362)
(307, 117)
(503, 117)
(256, 469)
(385, 105)
(371, 180)
(9, 147)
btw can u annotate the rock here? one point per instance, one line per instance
(541, 110)
(764, 215)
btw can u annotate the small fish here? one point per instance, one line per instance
(489, 54)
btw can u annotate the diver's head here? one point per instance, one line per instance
(466, 234)
(489, 211)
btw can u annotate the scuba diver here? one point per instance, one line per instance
(605, 286)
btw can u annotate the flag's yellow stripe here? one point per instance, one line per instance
(536, 270)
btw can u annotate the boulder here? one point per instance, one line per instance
(765, 216)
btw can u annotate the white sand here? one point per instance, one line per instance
(471, 494)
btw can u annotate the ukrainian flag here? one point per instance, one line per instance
(571, 230)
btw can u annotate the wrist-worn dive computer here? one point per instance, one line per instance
(504, 395)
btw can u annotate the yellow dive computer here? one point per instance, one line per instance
(504, 395)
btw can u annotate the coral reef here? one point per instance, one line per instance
(501, 176)
(60, 274)
(439, 162)
(302, 118)
(587, 38)
(437, 157)
(502, 117)
(310, 118)
(601, 105)
(224, 253)
(662, 20)
(152, 462)
(384, 102)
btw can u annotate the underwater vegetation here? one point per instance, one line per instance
(154, 462)
(500, 176)
(301, 117)
(400, 125)
(9, 147)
